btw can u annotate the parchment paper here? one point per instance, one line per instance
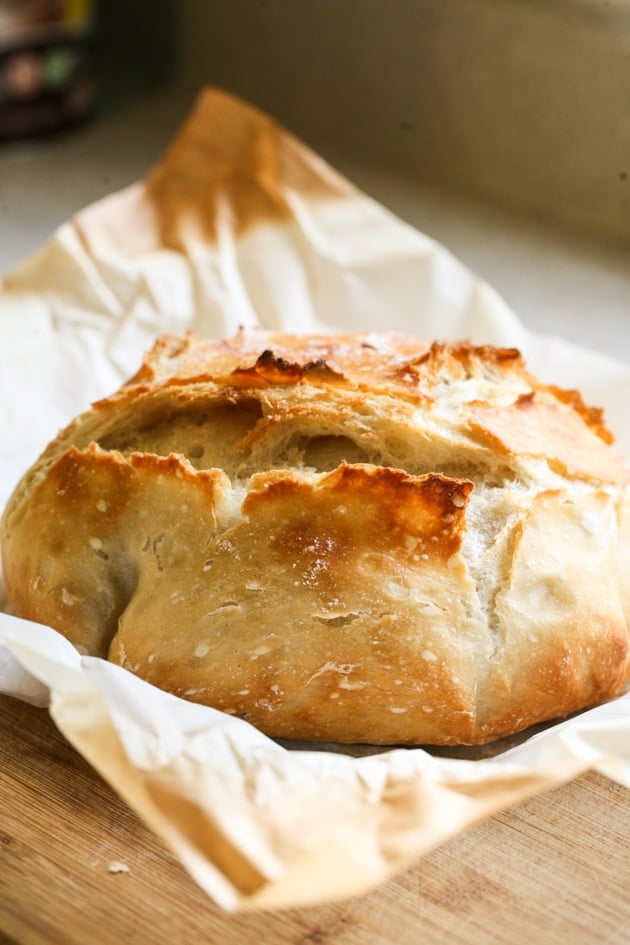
(240, 224)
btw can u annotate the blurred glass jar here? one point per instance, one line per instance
(46, 72)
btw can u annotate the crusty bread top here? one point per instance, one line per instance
(477, 403)
(339, 537)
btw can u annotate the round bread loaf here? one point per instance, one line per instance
(341, 538)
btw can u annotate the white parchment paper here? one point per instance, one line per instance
(240, 224)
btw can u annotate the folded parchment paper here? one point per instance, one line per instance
(241, 224)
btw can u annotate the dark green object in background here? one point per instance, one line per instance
(62, 60)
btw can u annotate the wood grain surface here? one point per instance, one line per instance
(77, 867)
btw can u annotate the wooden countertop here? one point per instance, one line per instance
(77, 867)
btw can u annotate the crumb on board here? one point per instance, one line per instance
(117, 867)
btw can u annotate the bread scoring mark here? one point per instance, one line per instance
(271, 369)
(311, 434)
(550, 430)
(592, 416)
(206, 428)
(445, 362)
(272, 428)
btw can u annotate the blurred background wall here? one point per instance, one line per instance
(523, 102)
(526, 102)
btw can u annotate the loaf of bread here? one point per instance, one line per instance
(339, 538)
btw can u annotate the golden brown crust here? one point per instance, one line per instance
(592, 416)
(544, 429)
(339, 537)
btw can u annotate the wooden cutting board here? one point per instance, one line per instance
(77, 867)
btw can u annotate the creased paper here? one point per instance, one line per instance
(240, 224)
